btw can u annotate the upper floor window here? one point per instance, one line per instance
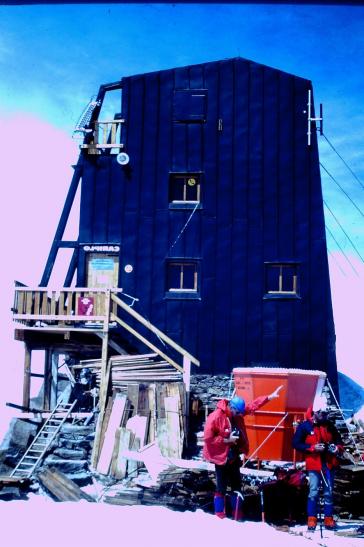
(184, 188)
(281, 279)
(182, 279)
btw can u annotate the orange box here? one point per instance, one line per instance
(271, 428)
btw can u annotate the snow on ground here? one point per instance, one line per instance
(40, 522)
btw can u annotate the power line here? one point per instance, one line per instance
(342, 189)
(336, 262)
(342, 250)
(354, 246)
(344, 162)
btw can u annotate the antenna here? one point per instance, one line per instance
(310, 119)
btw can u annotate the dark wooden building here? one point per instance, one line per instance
(201, 197)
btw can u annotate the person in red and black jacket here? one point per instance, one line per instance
(225, 438)
(318, 438)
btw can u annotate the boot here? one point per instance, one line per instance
(311, 523)
(219, 505)
(329, 523)
(236, 501)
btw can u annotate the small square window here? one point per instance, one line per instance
(281, 279)
(182, 278)
(184, 188)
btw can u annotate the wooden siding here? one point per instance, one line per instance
(260, 201)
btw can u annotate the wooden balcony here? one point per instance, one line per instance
(106, 135)
(66, 308)
(85, 309)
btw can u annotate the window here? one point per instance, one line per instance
(184, 188)
(281, 279)
(189, 105)
(182, 279)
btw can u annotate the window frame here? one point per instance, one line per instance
(181, 292)
(279, 293)
(185, 203)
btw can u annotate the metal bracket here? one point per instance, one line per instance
(310, 119)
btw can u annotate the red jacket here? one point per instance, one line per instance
(308, 434)
(218, 427)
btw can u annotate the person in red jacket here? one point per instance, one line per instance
(225, 438)
(318, 438)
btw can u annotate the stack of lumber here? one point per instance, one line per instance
(137, 416)
(349, 491)
(134, 368)
(61, 487)
(180, 489)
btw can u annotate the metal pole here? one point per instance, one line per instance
(265, 440)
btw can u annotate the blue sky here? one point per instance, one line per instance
(53, 58)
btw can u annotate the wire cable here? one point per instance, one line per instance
(342, 189)
(342, 250)
(352, 243)
(344, 162)
(336, 262)
(184, 227)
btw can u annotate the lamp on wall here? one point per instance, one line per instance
(123, 158)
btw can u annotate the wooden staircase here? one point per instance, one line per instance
(46, 435)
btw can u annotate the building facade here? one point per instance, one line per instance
(203, 201)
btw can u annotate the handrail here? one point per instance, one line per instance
(154, 329)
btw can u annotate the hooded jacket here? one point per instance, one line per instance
(218, 427)
(308, 434)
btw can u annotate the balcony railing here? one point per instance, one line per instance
(106, 134)
(66, 306)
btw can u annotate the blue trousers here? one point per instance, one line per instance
(316, 479)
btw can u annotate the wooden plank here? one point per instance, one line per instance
(133, 398)
(162, 436)
(69, 300)
(63, 488)
(152, 431)
(44, 304)
(138, 425)
(101, 427)
(161, 393)
(133, 466)
(36, 303)
(120, 464)
(29, 302)
(53, 303)
(61, 310)
(27, 373)
(116, 416)
(175, 444)
(47, 317)
(19, 301)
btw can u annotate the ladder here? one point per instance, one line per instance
(85, 118)
(46, 435)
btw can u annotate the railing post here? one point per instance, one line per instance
(104, 381)
(187, 382)
(27, 372)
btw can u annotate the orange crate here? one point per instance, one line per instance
(298, 393)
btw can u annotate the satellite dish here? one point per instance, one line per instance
(122, 158)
